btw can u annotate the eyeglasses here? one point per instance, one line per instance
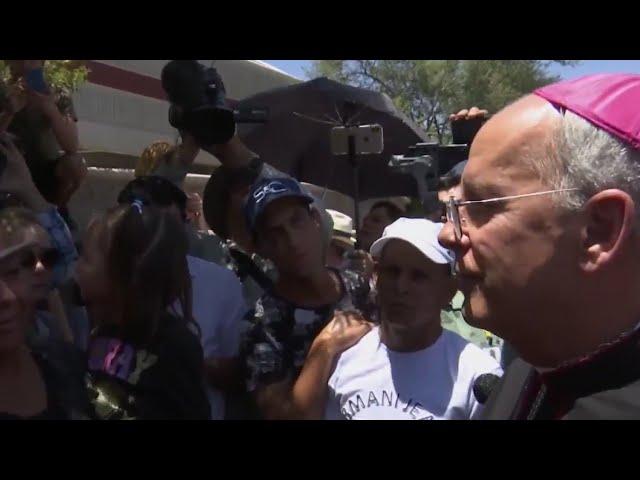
(453, 214)
(26, 261)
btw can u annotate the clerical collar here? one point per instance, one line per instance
(576, 361)
(612, 366)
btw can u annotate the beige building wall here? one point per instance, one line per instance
(100, 191)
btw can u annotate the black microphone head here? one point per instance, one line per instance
(483, 386)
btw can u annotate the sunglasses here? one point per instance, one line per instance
(48, 258)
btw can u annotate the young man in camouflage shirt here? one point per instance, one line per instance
(305, 297)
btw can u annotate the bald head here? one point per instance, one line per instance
(515, 143)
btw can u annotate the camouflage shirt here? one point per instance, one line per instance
(226, 253)
(453, 320)
(276, 340)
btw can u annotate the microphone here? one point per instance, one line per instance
(483, 386)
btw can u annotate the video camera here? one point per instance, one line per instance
(426, 163)
(198, 107)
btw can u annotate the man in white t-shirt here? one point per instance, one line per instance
(408, 367)
(218, 308)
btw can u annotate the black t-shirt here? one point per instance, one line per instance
(163, 379)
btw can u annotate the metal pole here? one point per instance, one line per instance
(356, 184)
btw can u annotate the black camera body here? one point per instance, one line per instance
(197, 97)
(427, 162)
(198, 103)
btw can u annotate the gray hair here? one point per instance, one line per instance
(586, 158)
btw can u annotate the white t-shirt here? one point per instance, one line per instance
(371, 382)
(218, 308)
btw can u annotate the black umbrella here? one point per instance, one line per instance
(296, 137)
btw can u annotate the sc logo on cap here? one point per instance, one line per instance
(269, 188)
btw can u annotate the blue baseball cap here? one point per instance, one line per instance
(267, 190)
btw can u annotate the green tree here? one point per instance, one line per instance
(64, 76)
(429, 90)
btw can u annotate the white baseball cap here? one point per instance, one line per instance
(419, 232)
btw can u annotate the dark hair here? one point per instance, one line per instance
(146, 258)
(216, 197)
(453, 177)
(155, 191)
(445, 183)
(393, 211)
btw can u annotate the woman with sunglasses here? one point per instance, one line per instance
(18, 189)
(43, 381)
(43, 259)
(50, 320)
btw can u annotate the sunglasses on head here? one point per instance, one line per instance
(48, 258)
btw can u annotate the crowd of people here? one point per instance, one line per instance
(514, 298)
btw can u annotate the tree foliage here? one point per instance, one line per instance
(429, 90)
(65, 76)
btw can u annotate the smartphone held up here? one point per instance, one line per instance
(367, 140)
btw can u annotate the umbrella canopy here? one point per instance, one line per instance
(296, 138)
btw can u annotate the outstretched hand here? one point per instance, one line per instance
(468, 114)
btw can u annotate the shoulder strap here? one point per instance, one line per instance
(247, 267)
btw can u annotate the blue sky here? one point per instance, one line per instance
(296, 67)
